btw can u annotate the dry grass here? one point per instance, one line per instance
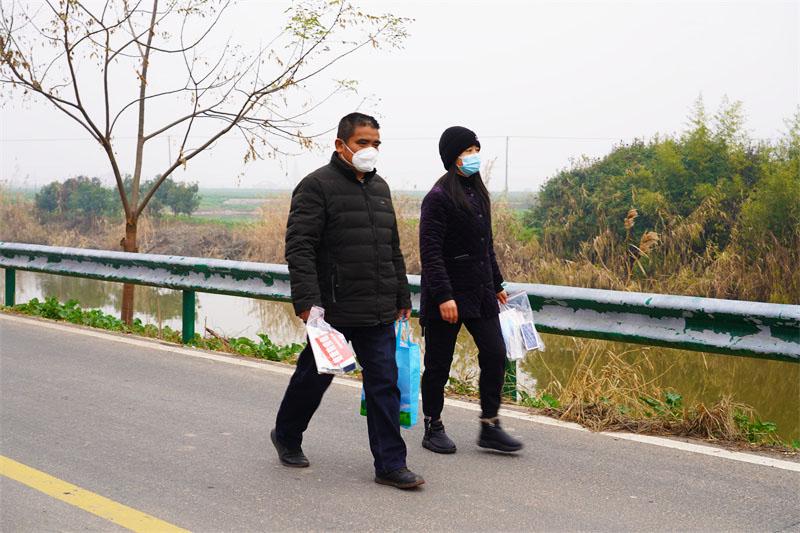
(672, 261)
(407, 210)
(608, 390)
(604, 389)
(18, 222)
(265, 238)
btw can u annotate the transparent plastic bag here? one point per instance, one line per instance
(332, 353)
(519, 331)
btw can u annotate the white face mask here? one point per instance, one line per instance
(364, 160)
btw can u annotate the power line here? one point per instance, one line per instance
(61, 139)
(544, 137)
(389, 139)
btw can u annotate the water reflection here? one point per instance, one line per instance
(771, 387)
(154, 303)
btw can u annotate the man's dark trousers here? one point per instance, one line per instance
(375, 350)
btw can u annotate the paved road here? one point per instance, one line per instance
(186, 440)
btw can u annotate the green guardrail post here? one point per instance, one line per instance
(11, 285)
(188, 315)
(510, 380)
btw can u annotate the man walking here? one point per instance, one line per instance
(343, 251)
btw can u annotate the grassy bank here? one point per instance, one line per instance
(609, 390)
(72, 312)
(605, 391)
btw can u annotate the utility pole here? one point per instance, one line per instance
(506, 166)
(169, 149)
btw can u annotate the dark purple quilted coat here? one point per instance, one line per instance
(457, 254)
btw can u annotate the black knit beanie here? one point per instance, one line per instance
(454, 141)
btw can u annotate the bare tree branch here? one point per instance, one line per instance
(137, 171)
(67, 49)
(199, 39)
(230, 90)
(106, 94)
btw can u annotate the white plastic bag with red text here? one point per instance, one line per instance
(332, 353)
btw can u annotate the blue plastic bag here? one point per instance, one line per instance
(407, 355)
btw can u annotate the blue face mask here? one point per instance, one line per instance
(470, 164)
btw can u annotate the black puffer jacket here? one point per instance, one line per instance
(343, 248)
(457, 255)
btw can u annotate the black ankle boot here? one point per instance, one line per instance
(293, 457)
(493, 437)
(402, 478)
(435, 439)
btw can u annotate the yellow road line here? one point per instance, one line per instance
(88, 501)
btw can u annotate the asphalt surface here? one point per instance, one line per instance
(187, 440)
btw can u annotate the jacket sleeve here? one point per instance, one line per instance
(403, 293)
(432, 228)
(303, 234)
(497, 277)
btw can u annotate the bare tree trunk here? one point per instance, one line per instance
(129, 245)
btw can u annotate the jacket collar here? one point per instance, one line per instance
(468, 182)
(346, 170)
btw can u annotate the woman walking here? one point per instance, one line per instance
(461, 284)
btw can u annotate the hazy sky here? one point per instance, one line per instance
(561, 79)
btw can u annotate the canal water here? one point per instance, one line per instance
(771, 387)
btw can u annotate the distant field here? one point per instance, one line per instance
(234, 205)
(240, 205)
(27, 193)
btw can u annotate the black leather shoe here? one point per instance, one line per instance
(435, 439)
(493, 437)
(402, 478)
(289, 457)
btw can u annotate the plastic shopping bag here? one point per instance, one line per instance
(519, 331)
(407, 354)
(332, 353)
(408, 373)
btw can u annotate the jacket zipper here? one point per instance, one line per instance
(377, 257)
(333, 283)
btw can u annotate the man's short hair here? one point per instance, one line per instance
(350, 122)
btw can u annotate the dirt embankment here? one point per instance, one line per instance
(170, 237)
(196, 241)
(261, 240)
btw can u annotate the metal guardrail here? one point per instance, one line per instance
(187, 274)
(770, 331)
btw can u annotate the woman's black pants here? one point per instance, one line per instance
(440, 341)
